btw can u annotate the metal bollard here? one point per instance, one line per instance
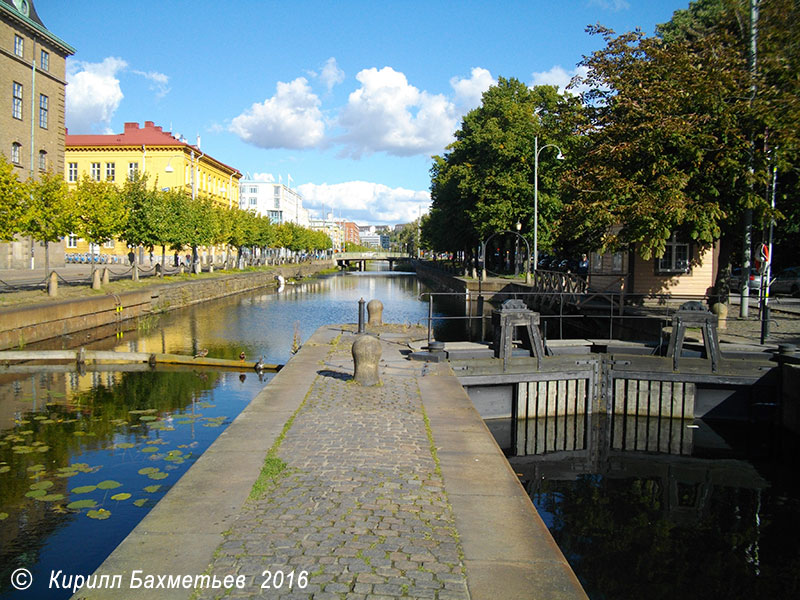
(361, 304)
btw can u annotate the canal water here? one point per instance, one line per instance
(83, 458)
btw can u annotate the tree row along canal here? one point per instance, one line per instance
(83, 457)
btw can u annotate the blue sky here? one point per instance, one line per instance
(350, 98)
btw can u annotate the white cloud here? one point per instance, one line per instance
(267, 177)
(388, 114)
(366, 202)
(469, 92)
(331, 74)
(159, 81)
(560, 78)
(290, 119)
(93, 94)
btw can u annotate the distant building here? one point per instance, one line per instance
(277, 201)
(333, 229)
(351, 233)
(32, 79)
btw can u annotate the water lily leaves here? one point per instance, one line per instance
(148, 418)
(50, 497)
(79, 433)
(78, 504)
(83, 467)
(158, 442)
(152, 489)
(66, 473)
(32, 468)
(108, 484)
(121, 496)
(124, 446)
(42, 449)
(42, 485)
(36, 494)
(5, 469)
(84, 489)
(147, 449)
(22, 449)
(3, 516)
(140, 502)
(144, 411)
(159, 475)
(100, 514)
(148, 470)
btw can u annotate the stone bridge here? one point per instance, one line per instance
(345, 259)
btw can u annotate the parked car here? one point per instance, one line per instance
(754, 282)
(787, 282)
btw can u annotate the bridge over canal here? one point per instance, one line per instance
(346, 259)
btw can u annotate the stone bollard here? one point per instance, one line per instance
(159, 270)
(96, 280)
(375, 312)
(106, 276)
(721, 310)
(366, 356)
(52, 285)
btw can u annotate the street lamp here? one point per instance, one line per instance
(536, 151)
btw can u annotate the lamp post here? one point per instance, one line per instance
(536, 151)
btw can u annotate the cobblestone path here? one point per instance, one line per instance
(360, 507)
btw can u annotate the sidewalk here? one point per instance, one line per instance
(394, 491)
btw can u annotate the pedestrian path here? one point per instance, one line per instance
(392, 491)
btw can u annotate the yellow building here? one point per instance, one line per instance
(168, 161)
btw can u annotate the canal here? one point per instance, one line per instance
(84, 457)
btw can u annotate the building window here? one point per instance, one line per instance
(253, 189)
(44, 103)
(253, 201)
(111, 171)
(72, 172)
(133, 170)
(108, 244)
(72, 241)
(16, 150)
(275, 216)
(96, 171)
(277, 202)
(675, 258)
(42, 160)
(44, 63)
(17, 101)
(19, 46)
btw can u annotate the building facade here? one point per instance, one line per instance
(333, 229)
(168, 161)
(33, 83)
(277, 201)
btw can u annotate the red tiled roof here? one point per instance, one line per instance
(149, 135)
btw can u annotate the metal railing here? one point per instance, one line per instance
(619, 309)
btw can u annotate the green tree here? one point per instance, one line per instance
(100, 215)
(12, 196)
(485, 181)
(140, 228)
(49, 212)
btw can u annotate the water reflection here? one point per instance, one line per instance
(665, 508)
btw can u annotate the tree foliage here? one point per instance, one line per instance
(12, 194)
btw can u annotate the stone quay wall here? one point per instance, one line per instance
(21, 326)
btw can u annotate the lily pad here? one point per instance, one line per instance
(43, 449)
(50, 497)
(42, 485)
(84, 489)
(152, 489)
(36, 494)
(122, 496)
(33, 468)
(5, 469)
(78, 504)
(66, 473)
(124, 445)
(100, 514)
(108, 484)
(159, 475)
(148, 470)
(148, 418)
(22, 449)
(3, 516)
(149, 449)
(144, 411)
(140, 502)
(79, 433)
(156, 442)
